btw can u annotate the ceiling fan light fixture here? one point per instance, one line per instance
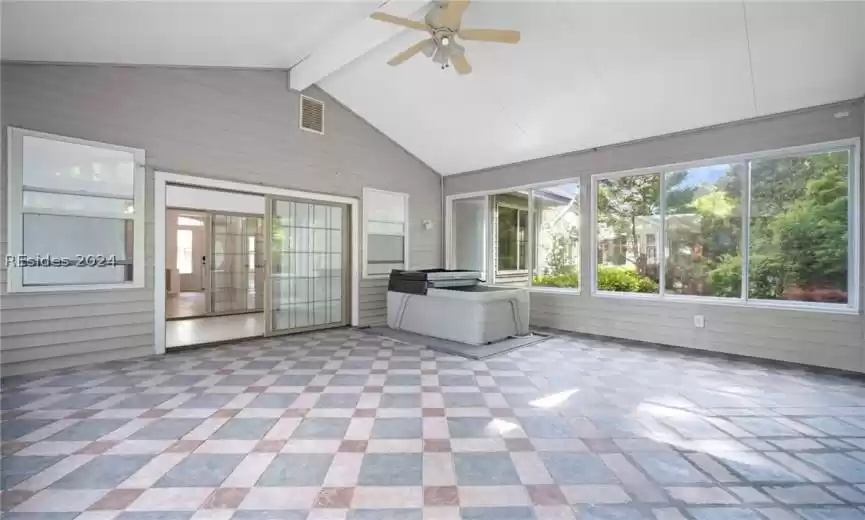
(445, 41)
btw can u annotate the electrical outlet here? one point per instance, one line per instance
(699, 321)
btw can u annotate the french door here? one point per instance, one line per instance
(307, 265)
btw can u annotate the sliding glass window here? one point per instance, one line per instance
(769, 228)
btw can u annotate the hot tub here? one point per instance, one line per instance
(469, 313)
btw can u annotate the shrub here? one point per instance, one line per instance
(610, 278)
(622, 279)
(569, 280)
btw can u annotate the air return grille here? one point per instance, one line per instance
(311, 114)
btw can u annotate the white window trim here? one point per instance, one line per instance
(405, 235)
(590, 279)
(14, 174)
(490, 264)
(854, 198)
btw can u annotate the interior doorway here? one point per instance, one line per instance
(228, 278)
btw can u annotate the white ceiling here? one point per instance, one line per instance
(269, 34)
(585, 74)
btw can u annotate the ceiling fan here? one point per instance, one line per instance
(443, 23)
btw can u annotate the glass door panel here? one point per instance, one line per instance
(236, 280)
(308, 265)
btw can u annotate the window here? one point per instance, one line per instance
(557, 236)
(768, 228)
(76, 214)
(512, 241)
(703, 227)
(628, 211)
(386, 232)
(799, 230)
(509, 221)
(184, 251)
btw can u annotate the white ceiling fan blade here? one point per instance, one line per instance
(460, 63)
(429, 48)
(453, 12)
(408, 53)
(398, 20)
(490, 35)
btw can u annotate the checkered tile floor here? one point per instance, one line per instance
(346, 425)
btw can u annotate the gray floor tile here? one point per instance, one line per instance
(485, 469)
(337, 401)
(104, 472)
(296, 469)
(166, 429)
(548, 427)
(18, 468)
(398, 428)
(470, 427)
(244, 429)
(456, 380)
(497, 513)
(143, 401)
(402, 380)
(154, 515)
(831, 513)
(669, 468)
(321, 428)
(724, 513)
(283, 514)
(612, 513)
(577, 468)
(391, 469)
(348, 380)
(838, 464)
(385, 514)
(16, 428)
(88, 430)
(273, 400)
(294, 380)
(464, 400)
(400, 401)
(200, 470)
(209, 401)
(238, 380)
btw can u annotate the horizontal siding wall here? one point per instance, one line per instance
(820, 339)
(223, 124)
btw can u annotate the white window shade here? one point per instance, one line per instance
(62, 166)
(76, 214)
(385, 232)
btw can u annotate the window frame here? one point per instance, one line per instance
(852, 145)
(15, 213)
(521, 255)
(365, 232)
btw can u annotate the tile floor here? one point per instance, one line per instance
(197, 331)
(345, 425)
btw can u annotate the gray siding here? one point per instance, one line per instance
(223, 124)
(831, 340)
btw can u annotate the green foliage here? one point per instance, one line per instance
(610, 278)
(564, 280)
(623, 279)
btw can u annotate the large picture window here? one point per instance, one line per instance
(628, 213)
(799, 230)
(76, 214)
(775, 227)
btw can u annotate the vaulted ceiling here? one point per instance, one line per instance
(585, 74)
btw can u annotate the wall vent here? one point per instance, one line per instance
(311, 114)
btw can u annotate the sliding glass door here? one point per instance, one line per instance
(237, 266)
(307, 265)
